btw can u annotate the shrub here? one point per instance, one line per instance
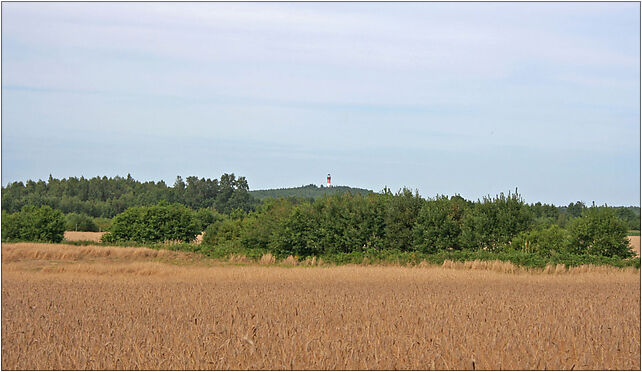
(544, 241)
(80, 222)
(400, 218)
(493, 223)
(261, 226)
(347, 223)
(103, 223)
(42, 224)
(298, 234)
(599, 232)
(438, 225)
(335, 223)
(227, 229)
(206, 216)
(158, 223)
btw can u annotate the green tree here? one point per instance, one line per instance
(630, 215)
(225, 230)
(543, 241)
(438, 225)
(158, 223)
(492, 223)
(262, 226)
(80, 222)
(401, 214)
(575, 209)
(42, 224)
(207, 216)
(298, 234)
(107, 197)
(599, 232)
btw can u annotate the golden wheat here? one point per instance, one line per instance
(37, 251)
(101, 314)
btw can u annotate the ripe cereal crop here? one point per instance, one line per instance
(89, 310)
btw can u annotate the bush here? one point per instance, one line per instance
(103, 223)
(544, 241)
(159, 223)
(206, 216)
(34, 224)
(80, 222)
(400, 228)
(298, 234)
(401, 214)
(224, 231)
(260, 227)
(599, 232)
(493, 223)
(439, 225)
(332, 224)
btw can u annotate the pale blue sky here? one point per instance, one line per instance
(468, 98)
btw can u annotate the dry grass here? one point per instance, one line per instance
(239, 259)
(510, 268)
(268, 259)
(199, 238)
(38, 251)
(635, 243)
(72, 236)
(152, 315)
(290, 261)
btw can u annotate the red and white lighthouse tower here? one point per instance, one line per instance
(328, 183)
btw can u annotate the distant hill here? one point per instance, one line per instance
(309, 191)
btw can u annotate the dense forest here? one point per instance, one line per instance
(107, 197)
(310, 192)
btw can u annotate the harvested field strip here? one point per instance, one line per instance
(71, 236)
(635, 243)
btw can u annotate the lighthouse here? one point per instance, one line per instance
(328, 183)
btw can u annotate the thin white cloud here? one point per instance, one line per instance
(421, 77)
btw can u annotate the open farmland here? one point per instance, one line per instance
(635, 244)
(74, 236)
(71, 236)
(67, 307)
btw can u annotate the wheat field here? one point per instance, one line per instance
(75, 309)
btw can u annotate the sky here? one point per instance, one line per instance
(445, 98)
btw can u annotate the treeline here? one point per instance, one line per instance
(629, 215)
(42, 224)
(349, 228)
(162, 222)
(107, 197)
(309, 192)
(405, 222)
(102, 198)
